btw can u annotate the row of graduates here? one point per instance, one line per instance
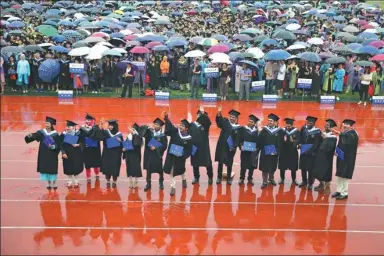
(277, 147)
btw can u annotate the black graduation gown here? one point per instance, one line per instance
(108, 74)
(322, 169)
(200, 139)
(65, 76)
(249, 160)
(313, 136)
(73, 165)
(153, 159)
(133, 157)
(110, 157)
(47, 159)
(172, 162)
(35, 70)
(348, 142)
(289, 156)
(223, 154)
(267, 136)
(91, 156)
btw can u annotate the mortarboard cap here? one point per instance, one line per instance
(185, 123)
(136, 126)
(331, 123)
(50, 120)
(289, 121)
(254, 118)
(349, 121)
(158, 121)
(311, 119)
(112, 121)
(70, 123)
(89, 117)
(199, 112)
(234, 113)
(273, 117)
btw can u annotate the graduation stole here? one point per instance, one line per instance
(291, 132)
(111, 135)
(329, 135)
(272, 131)
(45, 133)
(184, 137)
(197, 124)
(312, 131)
(159, 135)
(249, 130)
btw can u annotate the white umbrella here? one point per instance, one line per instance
(371, 30)
(218, 60)
(351, 29)
(291, 57)
(81, 51)
(45, 44)
(374, 24)
(96, 52)
(105, 44)
(256, 52)
(194, 54)
(293, 27)
(316, 41)
(93, 40)
(296, 47)
(126, 32)
(220, 55)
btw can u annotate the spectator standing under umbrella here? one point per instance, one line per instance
(116, 75)
(339, 80)
(245, 82)
(36, 61)
(23, 73)
(349, 71)
(294, 70)
(269, 77)
(94, 73)
(107, 70)
(328, 80)
(154, 73)
(356, 83)
(224, 81)
(64, 77)
(377, 78)
(164, 72)
(182, 77)
(316, 81)
(196, 75)
(282, 68)
(11, 72)
(366, 79)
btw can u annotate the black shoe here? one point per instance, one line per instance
(319, 188)
(49, 187)
(114, 184)
(241, 182)
(195, 181)
(229, 182)
(210, 181)
(250, 182)
(281, 181)
(302, 184)
(161, 185)
(173, 191)
(184, 183)
(218, 181)
(108, 184)
(273, 182)
(264, 185)
(97, 177)
(310, 187)
(147, 187)
(340, 197)
(54, 187)
(336, 194)
(295, 182)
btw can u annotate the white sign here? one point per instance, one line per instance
(76, 68)
(76, 65)
(327, 99)
(138, 63)
(377, 99)
(258, 83)
(211, 70)
(270, 98)
(162, 95)
(209, 97)
(304, 83)
(65, 94)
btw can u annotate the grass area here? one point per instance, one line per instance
(175, 94)
(380, 3)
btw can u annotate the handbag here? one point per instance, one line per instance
(371, 90)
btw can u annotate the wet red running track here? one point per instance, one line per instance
(201, 219)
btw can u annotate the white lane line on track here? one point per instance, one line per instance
(200, 229)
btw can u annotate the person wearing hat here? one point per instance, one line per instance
(36, 61)
(226, 145)
(270, 140)
(199, 131)
(153, 156)
(91, 153)
(346, 158)
(175, 165)
(65, 80)
(310, 139)
(71, 154)
(289, 157)
(111, 155)
(47, 158)
(248, 158)
(133, 157)
(323, 167)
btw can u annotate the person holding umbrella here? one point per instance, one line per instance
(23, 73)
(365, 80)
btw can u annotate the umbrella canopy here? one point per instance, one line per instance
(59, 49)
(309, 56)
(293, 26)
(219, 55)
(208, 42)
(342, 49)
(194, 54)
(152, 44)
(296, 47)
(284, 34)
(112, 52)
(256, 52)
(49, 70)
(367, 50)
(377, 44)
(316, 41)
(58, 38)
(335, 60)
(47, 30)
(159, 48)
(277, 55)
(354, 46)
(33, 48)
(379, 57)
(16, 24)
(139, 50)
(11, 49)
(250, 63)
(81, 51)
(242, 37)
(364, 63)
(351, 29)
(219, 48)
(251, 31)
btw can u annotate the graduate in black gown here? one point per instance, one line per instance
(225, 154)
(71, 154)
(289, 157)
(175, 165)
(248, 159)
(91, 153)
(310, 136)
(348, 142)
(270, 137)
(153, 157)
(133, 157)
(47, 158)
(199, 131)
(322, 170)
(65, 80)
(110, 157)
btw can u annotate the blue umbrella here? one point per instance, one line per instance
(368, 41)
(290, 21)
(160, 48)
(250, 63)
(175, 43)
(177, 13)
(115, 26)
(137, 13)
(59, 49)
(117, 35)
(53, 11)
(134, 25)
(16, 24)
(340, 26)
(309, 56)
(242, 37)
(269, 42)
(49, 70)
(106, 30)
(367, 35)
(381, 51)
(339, 18)
(71, 34)
(106, 12)
(330, 14)
(220, 37)
(148, 3)
(368, 50)
(67, 23)
(211, 20)
(127, 19)
(58, 38)
(313, 12)
(51, 23)
(277, 55)
(354, 46)
(78, 21)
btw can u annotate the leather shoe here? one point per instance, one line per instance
(340, 197)
(195, 181)
(161, 185)
(173, 191)
(210, 181)
(147, 187)
(264, 185)
(302, 184)
(241, 182)
(184, 182)
(250, 182)
(336, 194)
(218, 181)
(229, 181)
(310, 187)
(273, 182)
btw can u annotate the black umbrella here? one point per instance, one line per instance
(33, 48)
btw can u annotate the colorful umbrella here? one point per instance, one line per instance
(364, 63)
(275, 55)
(367, 50)
(208, 42)
(219, 48)
(152, 44)
(159, 48)
(11, 49)
(377, 44)
(309, 56)
(139, 50)
(379, 57)
(242, 37)
(16, 24)
(335, 60)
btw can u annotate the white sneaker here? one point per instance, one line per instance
(130, 183)
(96, 92)
(135, 184)
(337, 98)
(365, 103)
(359, 103)
(69, 183)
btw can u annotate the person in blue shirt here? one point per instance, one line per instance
(245, 82)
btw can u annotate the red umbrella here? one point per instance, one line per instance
(379, 57)
(378, 44)
(100, 34)
(139, 49)
(16, 6)
(361, 22)
(219, 48)
(130, 37)
(192, 12)
(152, 44)
(367, 26)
